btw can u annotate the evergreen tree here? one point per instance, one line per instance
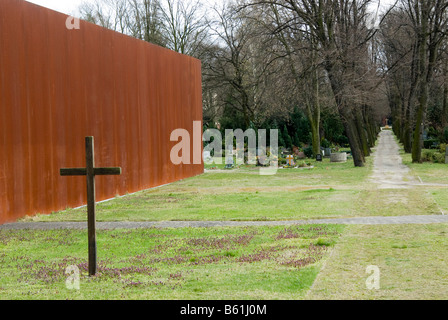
(286, 137)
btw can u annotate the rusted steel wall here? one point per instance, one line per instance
(58, 86)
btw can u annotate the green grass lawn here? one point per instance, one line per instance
(299, 262)
(435, 174)
(427, 171)
(411, 260)
(328, 190)
(202, 263)
(248, 205)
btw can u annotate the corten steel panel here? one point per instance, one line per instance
(58, 86)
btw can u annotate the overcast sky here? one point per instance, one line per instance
(65, 6)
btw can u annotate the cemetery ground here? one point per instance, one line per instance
(306, 261)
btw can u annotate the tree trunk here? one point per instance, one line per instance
(427, 57)
(444, 104)
(313, 112)
(407, 132)
(315, 136)
(417, 139)
(407, 140)
(370, 127)
(355, 145)
(445, 95)
(397, 108)
(422, 100)
(346, 116)
(419, 123)
(361, 132)
(245, 108)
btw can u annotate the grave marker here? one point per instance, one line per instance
(229, 162)
(207, 157)
(90, 172)
(301, 155)
(338, 157)
(290, 160)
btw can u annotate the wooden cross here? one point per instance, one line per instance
(90, 172)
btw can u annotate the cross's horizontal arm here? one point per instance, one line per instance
(96, 171)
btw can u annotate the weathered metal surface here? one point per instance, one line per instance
(58, 86)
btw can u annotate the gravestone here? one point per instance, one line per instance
(318, 157)
(285, 151)
(206, 156)
(295, 150)
(229, 162)
(261, 157)
(338, 157)
(301, 155)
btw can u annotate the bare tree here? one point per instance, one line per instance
(96, 13)
(429, 21)
(145, 21)
(413, 35)
(141, 19)
(184, 26)
(302, 67)
(399, 60)
(341, 30)
(239, 63)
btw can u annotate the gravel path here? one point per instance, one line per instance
(389, 172)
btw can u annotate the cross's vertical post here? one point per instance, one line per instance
(90, 172)
(91, 203)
